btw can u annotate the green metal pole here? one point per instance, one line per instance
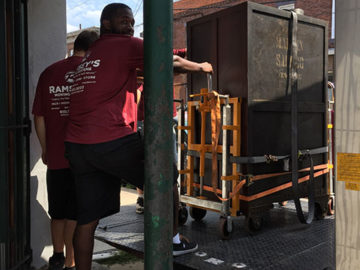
(4, 185)
(158, 135)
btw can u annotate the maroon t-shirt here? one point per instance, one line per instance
(103, 97)
(52, 102)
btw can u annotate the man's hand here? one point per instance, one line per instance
(206, 67)
(182, 65)
(39, 122)
(44, 157)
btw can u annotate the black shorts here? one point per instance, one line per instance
(61, 194)
(99, 169)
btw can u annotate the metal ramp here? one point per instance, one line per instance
(283, 243)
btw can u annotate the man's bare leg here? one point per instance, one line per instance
(57, 234)
(140, 201)
(176, 209)
(56, 261)
(181, 245)
(69, 230)
(84, 245)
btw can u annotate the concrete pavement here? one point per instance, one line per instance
(103, 250)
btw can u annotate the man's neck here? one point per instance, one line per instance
(79, 53)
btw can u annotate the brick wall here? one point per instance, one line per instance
(187, 10)
(320, 9)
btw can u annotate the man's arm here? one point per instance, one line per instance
(181, 65)
(180, 52)
(39, 122)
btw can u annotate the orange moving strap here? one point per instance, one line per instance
(219, 191)
(214, 101)
(281, 187)
(270, 175)
(264, 193)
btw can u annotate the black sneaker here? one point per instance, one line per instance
(184, 247)
(140, 205)
(70, 268)
(56, 262)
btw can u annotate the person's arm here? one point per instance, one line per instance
(39, 122)
(138, 96)
(180, 52)
(138, 99)
(181, 65)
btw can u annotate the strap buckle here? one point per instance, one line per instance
(270, 158)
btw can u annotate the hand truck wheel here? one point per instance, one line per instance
(197, 213)
(253, 224)
(183, 214)
(224, 229)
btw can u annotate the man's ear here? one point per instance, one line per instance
(106, 23)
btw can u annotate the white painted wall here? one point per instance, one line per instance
(47, 44)
(347, 130)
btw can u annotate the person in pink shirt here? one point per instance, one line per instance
(51, 111)
(181, 65)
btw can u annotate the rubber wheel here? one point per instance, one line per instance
(331, 209)
(183, 215)
(223, 228)
(319, 212)
(197, 213)
(253, 224)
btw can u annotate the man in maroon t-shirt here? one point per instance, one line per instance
(181, 65)
(101, 143)
(51, 110)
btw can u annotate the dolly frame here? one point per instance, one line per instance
(230, 152)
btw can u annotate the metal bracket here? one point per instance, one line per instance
(229, 224)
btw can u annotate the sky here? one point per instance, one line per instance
(87, 13)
